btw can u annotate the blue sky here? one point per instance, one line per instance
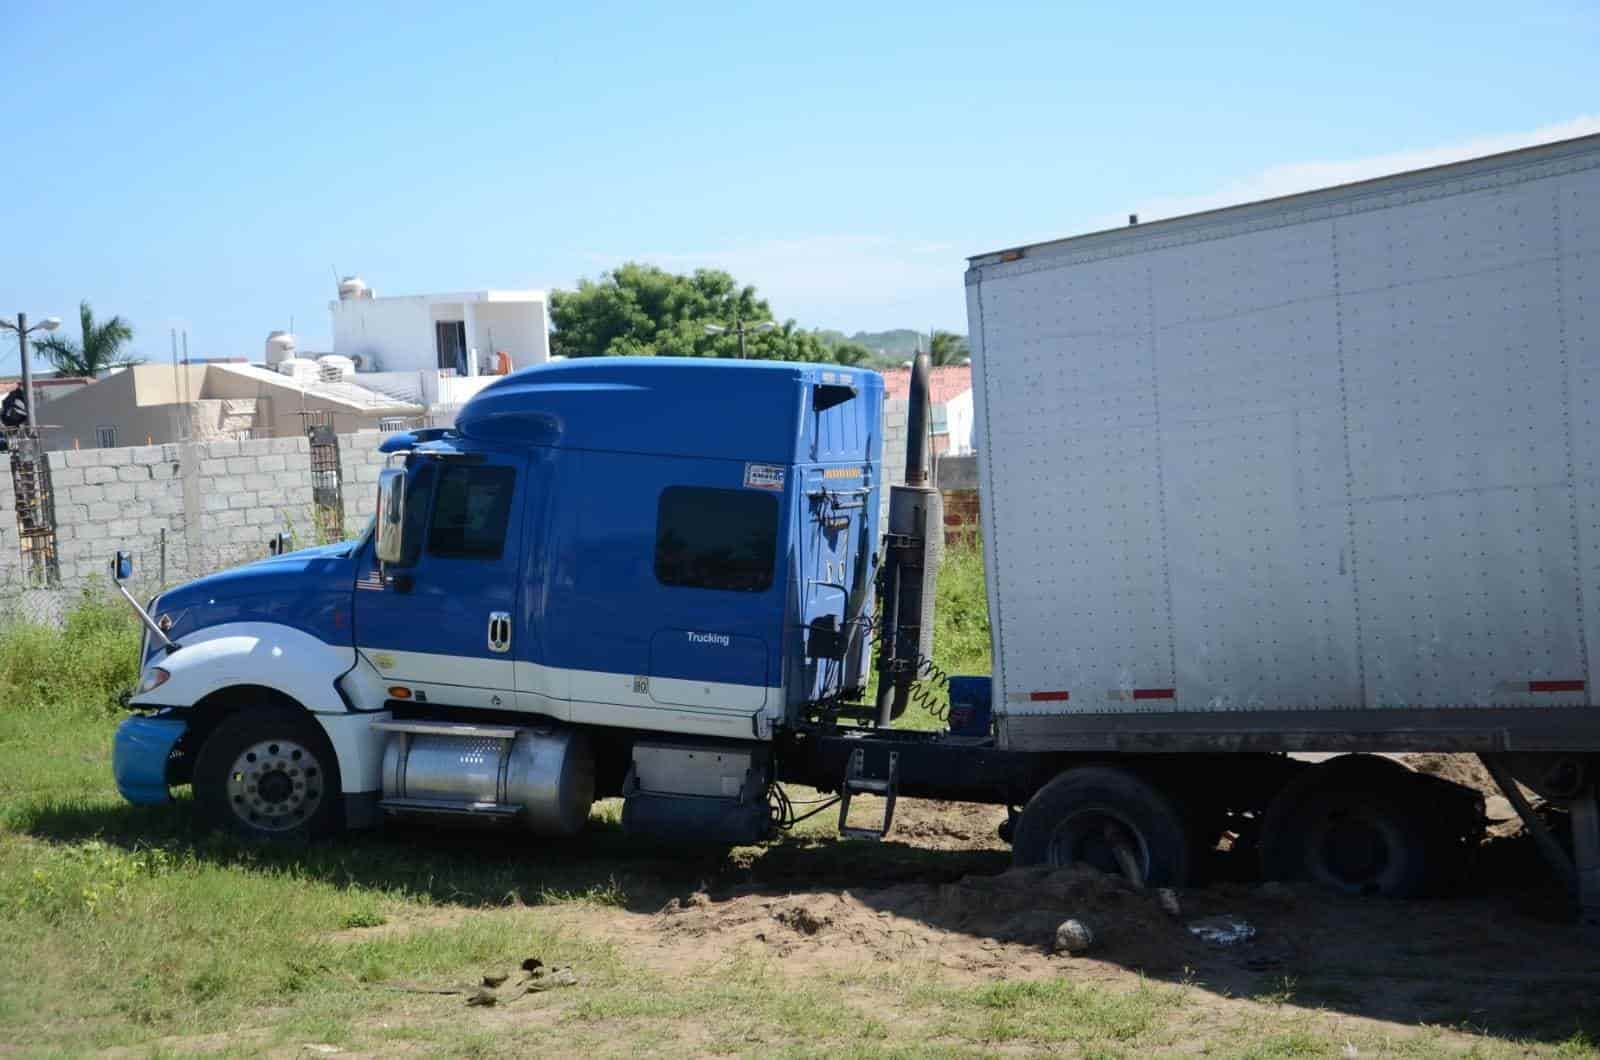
(209, 168)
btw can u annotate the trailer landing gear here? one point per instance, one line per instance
(1564, 780)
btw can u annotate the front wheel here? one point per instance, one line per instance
(268, 775)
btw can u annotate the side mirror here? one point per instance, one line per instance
(390, 528)
(280, 543)
(122, 566)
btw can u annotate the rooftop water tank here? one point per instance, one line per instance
(352, 288)
(332, 368)
(280, 347)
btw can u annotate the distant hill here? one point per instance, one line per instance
(899, 342)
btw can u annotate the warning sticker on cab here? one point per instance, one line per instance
(763, 476)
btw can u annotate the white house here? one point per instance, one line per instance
(438, 338)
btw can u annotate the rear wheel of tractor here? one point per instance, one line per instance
(1107, 818)
(1350, 824)
(269, 775)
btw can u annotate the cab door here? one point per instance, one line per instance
(835, 555)
(445, 630)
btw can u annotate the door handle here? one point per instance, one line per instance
(500, 631)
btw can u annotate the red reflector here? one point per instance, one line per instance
(1155, 693)
(1048, 697)
(1555, 686)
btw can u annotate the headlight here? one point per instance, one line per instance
(153, 678)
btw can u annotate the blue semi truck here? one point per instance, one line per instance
(619, 576)
(1305, 475)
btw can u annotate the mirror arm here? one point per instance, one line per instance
(144, 616)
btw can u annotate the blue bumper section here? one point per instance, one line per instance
(139, 758)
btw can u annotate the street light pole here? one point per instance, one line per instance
(740, 329)
(27, 371)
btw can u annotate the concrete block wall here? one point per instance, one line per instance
(894, 453)
(359, 463)
(209, 505)
(957, 479)
(10, 551)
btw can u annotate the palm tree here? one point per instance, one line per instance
(946, 347)
(100, 349)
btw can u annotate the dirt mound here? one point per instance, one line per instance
(1463, 769)
(973, 922)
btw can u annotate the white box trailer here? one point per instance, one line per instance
(1312, 474)
(1315, 473)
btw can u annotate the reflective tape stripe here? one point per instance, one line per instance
(1519, 688)
(1142, 693)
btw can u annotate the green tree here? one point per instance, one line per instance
(947, 347)
(644, 310)
(99, 349)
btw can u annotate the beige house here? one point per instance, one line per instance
(153, 403)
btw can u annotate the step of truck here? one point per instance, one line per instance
(857, 782)
(450, 806)
(448, 728)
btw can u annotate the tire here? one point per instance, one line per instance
(1351, 824)
(269, 775)
(1064, 823)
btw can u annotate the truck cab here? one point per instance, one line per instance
(621, 576)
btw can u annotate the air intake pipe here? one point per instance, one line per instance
(913, 546)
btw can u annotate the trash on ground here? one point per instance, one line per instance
(538, 979)
(1223, 930)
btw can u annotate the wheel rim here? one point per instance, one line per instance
(275, 785)
(1354, 849)
(1085, 837)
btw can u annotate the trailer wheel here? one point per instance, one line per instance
(1348, 824)
(268, 774)
(1108, 818)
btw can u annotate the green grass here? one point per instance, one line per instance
(127, 927)
(960, 636)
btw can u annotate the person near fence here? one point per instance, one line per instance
(14, 408)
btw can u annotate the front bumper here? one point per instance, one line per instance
(139, 757)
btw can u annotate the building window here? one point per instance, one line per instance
(450, 338)
(105, 437)
(716, 539)
(470, 512)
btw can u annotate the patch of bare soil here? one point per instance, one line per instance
(977, 923)
(1468, 771)
(1463, 769)
(1451, 961)
(948, 825)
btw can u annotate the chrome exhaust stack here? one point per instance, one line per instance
(913, 547)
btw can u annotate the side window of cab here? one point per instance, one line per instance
(716, 539)
(471, 509)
